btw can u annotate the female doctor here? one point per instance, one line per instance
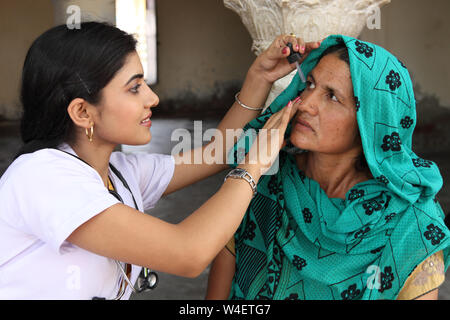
(71, 216)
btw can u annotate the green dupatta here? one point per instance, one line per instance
(296, 243)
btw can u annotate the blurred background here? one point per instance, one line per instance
(196, 54)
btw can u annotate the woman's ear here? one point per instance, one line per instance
(79, 111)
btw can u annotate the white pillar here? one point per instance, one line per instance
(311, 20)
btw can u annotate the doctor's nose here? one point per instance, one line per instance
(152, 99)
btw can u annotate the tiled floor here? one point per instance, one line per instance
(176, 207)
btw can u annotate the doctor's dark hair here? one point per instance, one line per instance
(61, 65)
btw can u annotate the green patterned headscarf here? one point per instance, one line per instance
(296, 243)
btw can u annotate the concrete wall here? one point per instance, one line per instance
(203, 54)
(418, 32)
(204, 49)
(20, 23)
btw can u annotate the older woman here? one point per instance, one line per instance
(352, 213)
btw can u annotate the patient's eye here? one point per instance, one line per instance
(310, 85)
(333, 97)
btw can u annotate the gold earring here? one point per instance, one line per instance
(91, 134)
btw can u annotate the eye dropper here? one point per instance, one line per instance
(293, 57)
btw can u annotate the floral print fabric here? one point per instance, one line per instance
(427, 276)
(296, 243)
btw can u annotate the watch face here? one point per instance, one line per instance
(238, 172)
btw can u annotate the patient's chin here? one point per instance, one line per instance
(300, 141)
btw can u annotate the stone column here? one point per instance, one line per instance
(311, 20)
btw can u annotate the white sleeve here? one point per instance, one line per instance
(51, 195)
(153, 173)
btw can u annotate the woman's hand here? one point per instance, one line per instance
(272, 64)
(270, 140)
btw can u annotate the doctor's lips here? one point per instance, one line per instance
(147, 122)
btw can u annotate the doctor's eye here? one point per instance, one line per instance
(135, 89)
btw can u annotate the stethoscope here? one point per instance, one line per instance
(147, 279)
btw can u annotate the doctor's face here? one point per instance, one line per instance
(123, 115)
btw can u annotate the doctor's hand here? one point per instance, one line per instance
(272, 64)
(268, 143)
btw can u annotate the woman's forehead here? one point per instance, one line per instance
(333, 72)
(131, 67)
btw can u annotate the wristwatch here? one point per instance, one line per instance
(239, 173)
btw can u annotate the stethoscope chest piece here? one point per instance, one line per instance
(147, 280)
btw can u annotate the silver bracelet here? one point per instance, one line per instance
(239, 173)
(236, 97)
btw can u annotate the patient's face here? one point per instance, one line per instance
(326, 119)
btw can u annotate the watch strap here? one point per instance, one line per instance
(240, 173)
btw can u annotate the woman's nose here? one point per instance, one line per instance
(152, 100)
(308, 103)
